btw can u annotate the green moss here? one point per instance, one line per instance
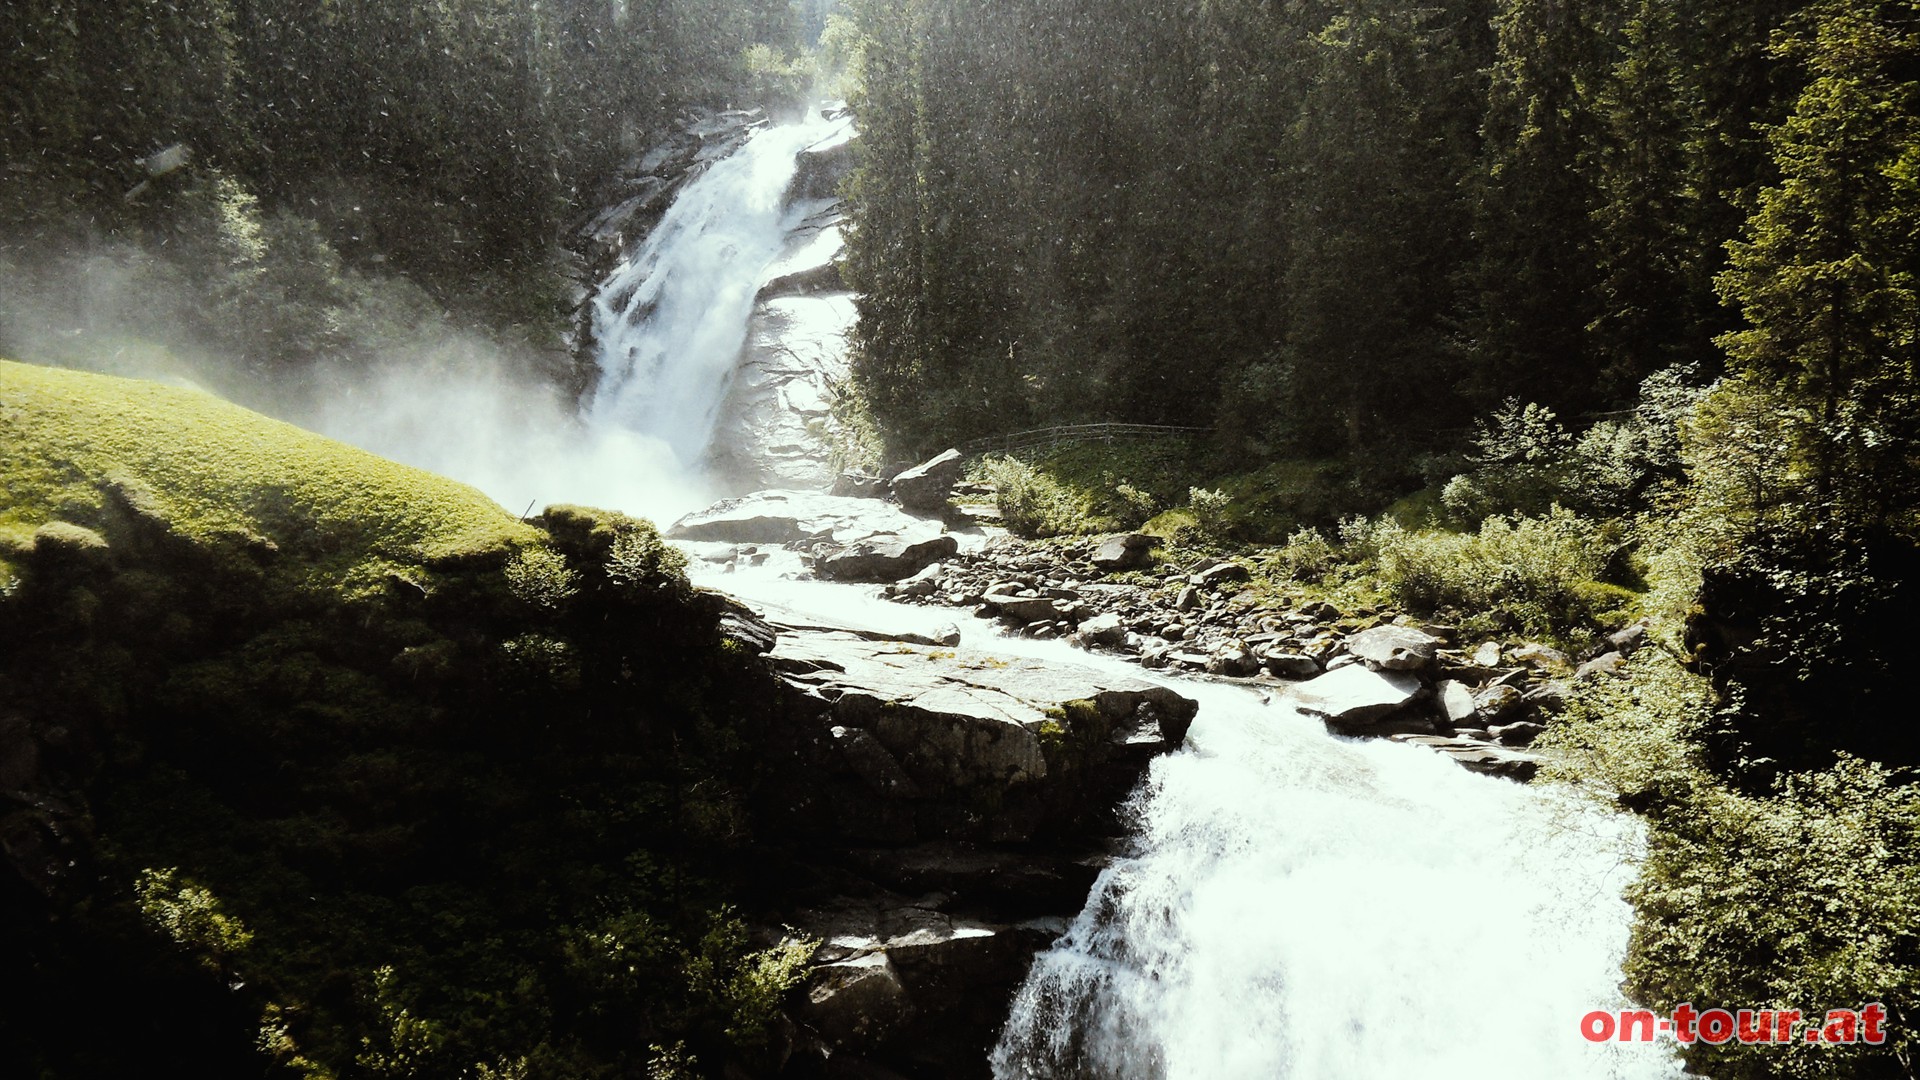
(95, 451)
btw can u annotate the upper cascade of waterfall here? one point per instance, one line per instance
(672, 318)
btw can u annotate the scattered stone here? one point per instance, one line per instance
(887, 557)
(1541, 658)
(1188, 599)
(1129, 552)
(1456, 702)
(1394, 648)
(1549, 699)
(1286, 665)
(928, 485)
(1487, 655)
(1234, 658)
(1220, 573)
(1356, 696)
(1628, 641)
(1519, 734)
(1496, 702)
(1102, 630)
(1612, 665)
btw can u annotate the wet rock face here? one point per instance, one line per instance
(961, 745)
(954, 805)
(783, 517)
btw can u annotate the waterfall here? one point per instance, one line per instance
(672, 318)
(1297, 905)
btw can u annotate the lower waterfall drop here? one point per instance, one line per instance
(1301, 906)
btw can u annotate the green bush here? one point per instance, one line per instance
(1809, 900)
(1532, 571)
(1307, 556)
(1032, 503)
(1804, 897)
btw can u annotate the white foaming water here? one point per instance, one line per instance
(672, 319)
(1299, 905)
(1304, 906)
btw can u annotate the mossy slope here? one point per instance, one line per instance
(88, 449)
(326, 766)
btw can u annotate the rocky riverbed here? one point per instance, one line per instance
(1368, 672)
(947, 809)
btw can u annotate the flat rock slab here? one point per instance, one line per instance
(1394, 648)
(783, 517)
(960, 719)
(1478, 756)
(885, 557)
(1356, 696)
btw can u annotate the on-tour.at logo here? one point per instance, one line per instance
(1867, 1024)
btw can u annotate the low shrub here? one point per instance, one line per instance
(1535, 572)
(1032, 502)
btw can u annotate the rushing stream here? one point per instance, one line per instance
(1294, 905)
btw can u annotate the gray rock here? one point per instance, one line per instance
(783, 517)
(1188, 599)
(1017, 602)
(854, 484)
(1287, 665)
(927, 485)
(856, 1002)
(1612, 665)
(1104, 629)
(1220, 573)
(1549, 698)
(968, 728)
(887, 557)
(1456, 702)
(1541, 658)
(1234, 658)
(1627, 641)
(1356, 696)
(1128, 552)
(1487, 655)
(1496, 702)
(872, 763)
(1478, 756)
(1394, 648)
(1519, 734)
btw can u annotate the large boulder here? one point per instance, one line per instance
(995, 748)
(1356, 696)
(887, 557)
(927, 485)
(783, 517)
(1394, 648)
(1129, 552)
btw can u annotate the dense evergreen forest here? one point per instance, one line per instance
(277, 185)
(1540, 316)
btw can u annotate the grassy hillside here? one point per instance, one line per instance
(92, 450)
(323, 766)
